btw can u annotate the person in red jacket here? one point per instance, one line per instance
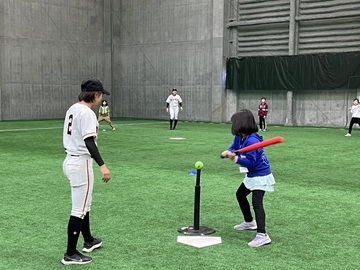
(262, 113)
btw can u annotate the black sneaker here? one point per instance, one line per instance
(77, 258)
(96, 243)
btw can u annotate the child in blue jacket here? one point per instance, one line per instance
(258, 179)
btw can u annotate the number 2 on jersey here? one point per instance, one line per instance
(69, 128)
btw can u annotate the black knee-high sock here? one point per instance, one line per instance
(85, 229)
(244, 205)
(74, 228)
(175, 123)
(171, 122)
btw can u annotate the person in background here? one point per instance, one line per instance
(262, 113)
(104, 114)
(173, 103)
(355, 117)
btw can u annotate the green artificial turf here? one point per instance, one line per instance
(312, 217)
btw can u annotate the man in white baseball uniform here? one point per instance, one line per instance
(79, 139)
(173, 103)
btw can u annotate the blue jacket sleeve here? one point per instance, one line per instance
(235, 144)
(247, 160)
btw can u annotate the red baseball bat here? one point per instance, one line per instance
(264, 143)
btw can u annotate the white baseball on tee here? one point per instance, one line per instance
(80, 123)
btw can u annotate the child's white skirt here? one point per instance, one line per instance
(265, 183)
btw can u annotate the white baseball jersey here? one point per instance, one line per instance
(80, 123)
(355, 110)
(174, 100)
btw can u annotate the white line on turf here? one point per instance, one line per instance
(26, 129)
(31, 129)
(135, 124)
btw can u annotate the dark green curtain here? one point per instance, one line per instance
(325, 71)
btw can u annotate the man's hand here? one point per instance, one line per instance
(105, 173)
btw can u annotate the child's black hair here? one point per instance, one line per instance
(243, 122)
(103, 102)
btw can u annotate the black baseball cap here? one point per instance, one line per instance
(92, 85)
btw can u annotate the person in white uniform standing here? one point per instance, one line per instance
(173, 103)
(355, 117)
(79, 139)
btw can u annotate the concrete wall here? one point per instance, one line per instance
(2, 53)
(141, 49)
(159, 45)
(250, 100)
(47, 49)
(323, 108)
(327, 108)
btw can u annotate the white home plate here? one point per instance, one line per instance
(199, 241)
(177, 138)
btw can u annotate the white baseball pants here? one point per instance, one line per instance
(79, 171)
